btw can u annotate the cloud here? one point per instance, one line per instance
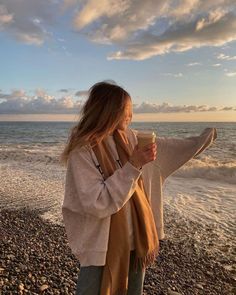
(93, 10)
(19, 102)
(29, 21)
(16, 94)
(64, 90)
(228, 109)
(138, 29)
(179, 38)
(143, 29)
(82, 93)
(212, 18)
(5, 17)
(226, 57)
(192, 64)
(216, 65)
(166, 107)
(230, 74)
(178, 75)
(115, 20)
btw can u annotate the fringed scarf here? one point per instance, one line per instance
(116, 269)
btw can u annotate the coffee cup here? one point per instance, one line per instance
(145, 137)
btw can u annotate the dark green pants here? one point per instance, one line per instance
(89, 280)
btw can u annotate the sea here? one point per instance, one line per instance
(203, 190)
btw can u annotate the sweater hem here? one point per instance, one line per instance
(87, 258)
(161, 233)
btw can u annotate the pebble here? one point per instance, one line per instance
(43, 279)
(43, 287)
(21, 287)
(199, 286)
(170, 292)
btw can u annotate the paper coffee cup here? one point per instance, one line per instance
(145, 137)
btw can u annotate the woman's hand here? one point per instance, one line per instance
(143, 155)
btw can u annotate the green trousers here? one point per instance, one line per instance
(89, 280)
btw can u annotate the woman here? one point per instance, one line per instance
(113, 208)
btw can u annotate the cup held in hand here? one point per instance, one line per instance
(145, 138)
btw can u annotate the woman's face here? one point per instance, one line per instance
(127, 118)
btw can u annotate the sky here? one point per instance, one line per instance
(177, 59)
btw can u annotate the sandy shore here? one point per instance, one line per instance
(36, 259)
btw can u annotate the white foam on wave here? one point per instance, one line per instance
(211, 205)
(209, 168)
(216, 168)
(39, 154)
(35, 185)
(202, 200)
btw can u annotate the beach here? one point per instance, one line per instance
(36, 259)
(197, 255)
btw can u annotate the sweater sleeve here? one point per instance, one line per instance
(172, 153)
(87, 192)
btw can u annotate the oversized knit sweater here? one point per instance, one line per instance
(89, 200)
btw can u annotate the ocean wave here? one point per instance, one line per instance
(43, 155)
(204, 167)
(209, 168)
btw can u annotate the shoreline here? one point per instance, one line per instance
(35, 258)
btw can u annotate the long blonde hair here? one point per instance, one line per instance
(101, 113)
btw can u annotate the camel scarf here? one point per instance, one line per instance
(116, 269)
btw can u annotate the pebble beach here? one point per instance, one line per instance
(36, 259)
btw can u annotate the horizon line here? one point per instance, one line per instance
(66, 121)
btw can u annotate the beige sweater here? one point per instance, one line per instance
(89, 200)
